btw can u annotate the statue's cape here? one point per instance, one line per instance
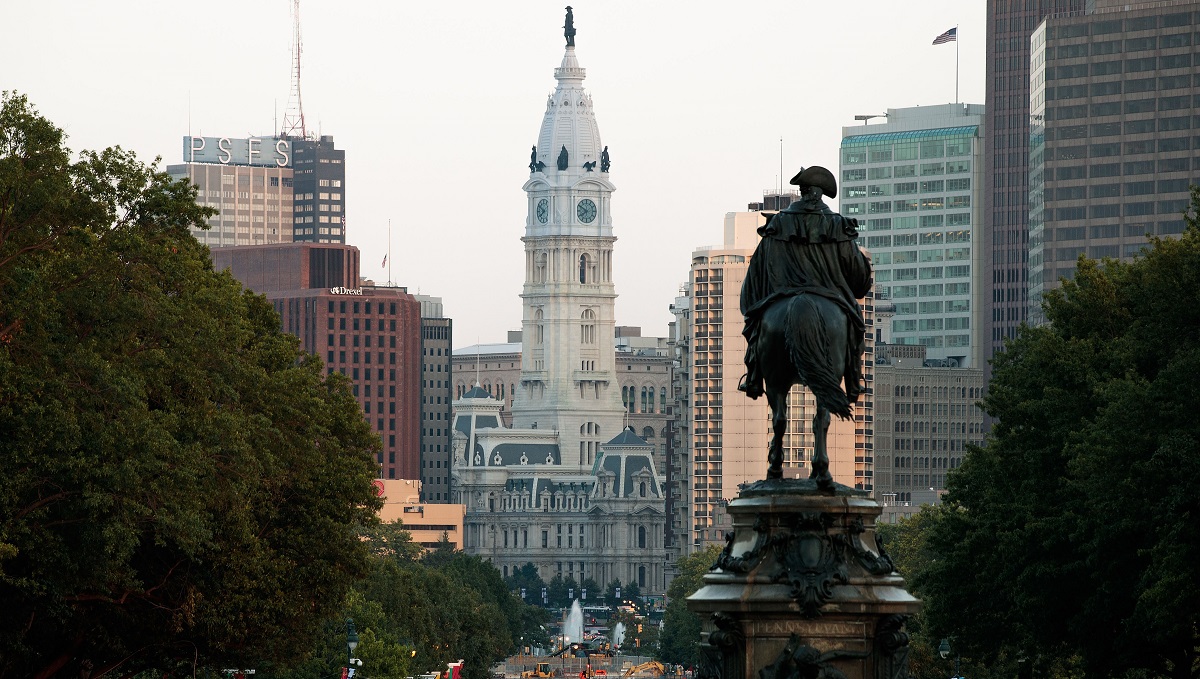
(790, 224)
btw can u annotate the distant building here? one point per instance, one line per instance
(437, 379)
(320, 190)
(915, 185)
(567, 487)
(249, 182)
(370, 334)
(643, 370)
(428, 523)
(1004, 274)
(926, 414)
(1113, 146)
(722, 436)
(267, 189)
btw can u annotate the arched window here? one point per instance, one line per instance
(583, 268)
(643, 409)
(642, 537)
(539, 330)
(642, 490)
(540, 268)
(588, 327)
(648, 433)
(651, 401)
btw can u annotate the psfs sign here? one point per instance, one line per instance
(269, 152)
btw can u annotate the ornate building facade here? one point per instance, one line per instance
(567, 488)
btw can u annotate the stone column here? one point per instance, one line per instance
(803, 589)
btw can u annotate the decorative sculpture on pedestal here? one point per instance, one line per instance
(803, 590)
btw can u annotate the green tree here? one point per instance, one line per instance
(1073, 533)
(593, 589)
(180, 484)
(679, 642)
(526, 578)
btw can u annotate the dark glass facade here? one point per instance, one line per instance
(1005, 278)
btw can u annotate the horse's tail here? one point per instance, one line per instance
(808, 344)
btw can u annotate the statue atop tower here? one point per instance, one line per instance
(569, 28)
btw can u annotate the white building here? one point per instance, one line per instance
(915, 184)
(567, 487)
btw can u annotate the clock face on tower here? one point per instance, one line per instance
(586, 211)
(543, 210)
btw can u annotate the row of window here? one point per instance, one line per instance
(1114, 87)
(366, 340)
(886, 153)
(1119, 66)
(366, 356)
(1133, 106)
(905, 188)
(1128, 128)
(931, 203)
(904, 171)
(1129, 168)
(1162, 207)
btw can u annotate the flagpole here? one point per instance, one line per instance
(389, 251)
(956, 41)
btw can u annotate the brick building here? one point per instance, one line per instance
(370, 334)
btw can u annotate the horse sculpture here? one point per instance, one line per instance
(803, 339)
(803, 322)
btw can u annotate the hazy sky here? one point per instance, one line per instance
(437, 104)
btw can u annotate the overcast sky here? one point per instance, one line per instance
(437, 104)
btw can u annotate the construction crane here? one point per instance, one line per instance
(293, 117)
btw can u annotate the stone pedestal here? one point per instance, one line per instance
(802, 590)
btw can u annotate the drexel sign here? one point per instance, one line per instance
(345, 291)
(269, 152)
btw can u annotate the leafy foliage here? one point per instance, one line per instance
(180, 485)
(414, 616)
(679, 642)
(1073, 533)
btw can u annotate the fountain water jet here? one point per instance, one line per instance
(573, 626)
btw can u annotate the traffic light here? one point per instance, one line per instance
(639, 628)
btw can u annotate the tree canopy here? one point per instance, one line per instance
(180, 485)
(1073, 533)
(679, 642)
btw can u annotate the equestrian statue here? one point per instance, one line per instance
(803, 322)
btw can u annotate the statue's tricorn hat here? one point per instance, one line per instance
(819, 177)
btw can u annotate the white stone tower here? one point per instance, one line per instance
(568, 363)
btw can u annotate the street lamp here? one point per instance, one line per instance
(351, 644)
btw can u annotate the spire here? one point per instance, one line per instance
(570, 121)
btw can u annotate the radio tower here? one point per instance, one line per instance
(293, 117)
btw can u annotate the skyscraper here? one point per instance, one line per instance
(372, 335)
(914, 183)
(247, 181)
(723, 435)
(1114, 93)
(320, 196)
(1010, 23)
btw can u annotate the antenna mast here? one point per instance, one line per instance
(293, 118)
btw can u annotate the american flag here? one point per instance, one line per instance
(949, 36)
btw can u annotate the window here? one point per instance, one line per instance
(879, 173)
(588, 327)
(1175, 61)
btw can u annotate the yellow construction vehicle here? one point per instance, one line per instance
(655, 667)
(542, 671)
